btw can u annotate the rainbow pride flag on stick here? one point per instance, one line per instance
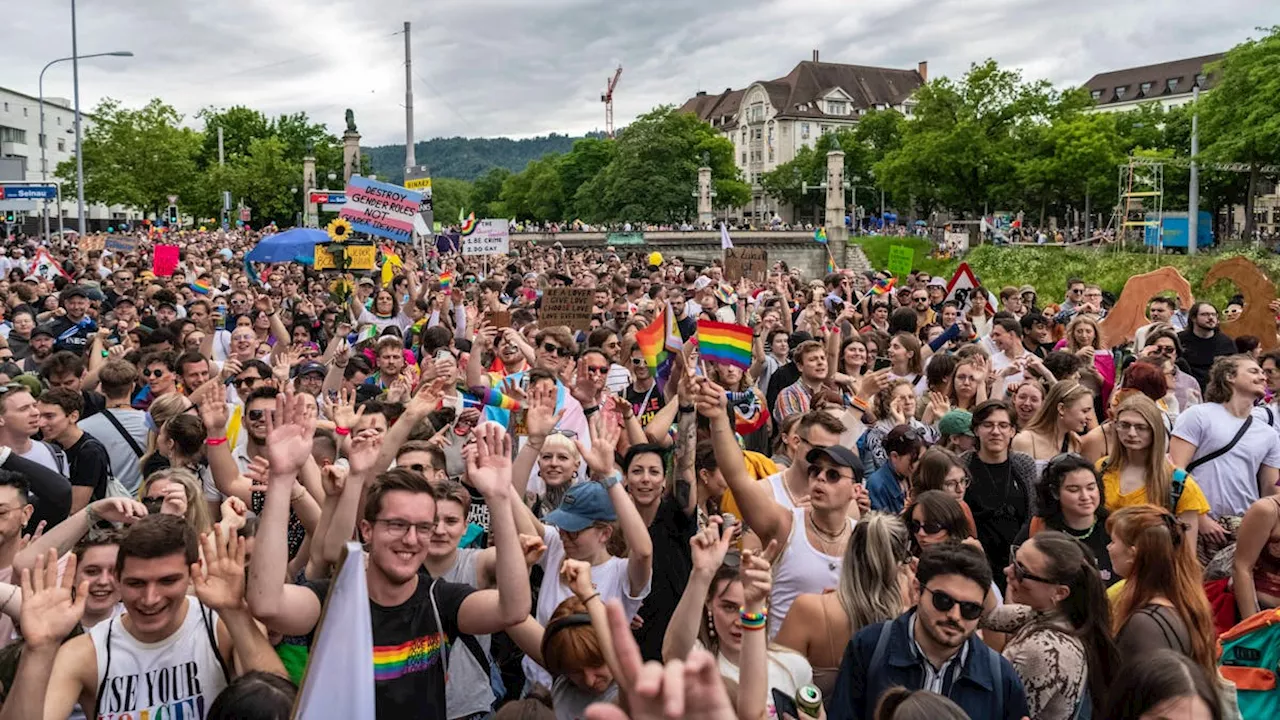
(202, 288)
(883, 287)
(724, 343)
(657, 342)
(446, 280)
(831, 262)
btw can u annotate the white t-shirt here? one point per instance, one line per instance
(40, 453)
(788, 672)
(1229, 482)
(610, 578)
(999, 362)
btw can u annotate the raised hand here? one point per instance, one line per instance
(219, 580)
(118, 510)
(213, 411)
(710, 545)
(259, 473)
(230, 369)
(577, 575)
(49, 609)
(540, 412)
(333, 479)
(175, 501)
(757, 578)
(940, 404)
(343, 410)
(710, 399)
(234, 514)
(290, 430)
(604, 439)
(533, 548)
(489, 464)
(363, 454)
(428, 398)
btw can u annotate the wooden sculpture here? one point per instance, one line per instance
(1130, 311)
(1257, 319)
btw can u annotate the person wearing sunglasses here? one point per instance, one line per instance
(933, 646)
(159, 379)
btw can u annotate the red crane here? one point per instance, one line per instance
(607, 99)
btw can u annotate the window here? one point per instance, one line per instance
(835, 107)
(770, 154)
(804, 131)
(42, 140)
(25, 111)
(1120, 92)
(6, 107)
(13, 135)
(1146, 87)
(59, 120)
(62, 145)
(1200, 80)
(1096, 94)
(744, 158)
(1172, 84)
(758, 134)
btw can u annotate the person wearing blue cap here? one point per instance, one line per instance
(580, 529)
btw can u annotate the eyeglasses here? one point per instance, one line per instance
(157, 373)
(241, 382)
(831, 475)
(257, 415)
(419, 467)
(1020, 572)
(1140, 428)
(929, 527)
(954, 485)
(637, 361)
(921, 299)
(598, 370)
(1002, 426)
(573, 535)
(553, 348)
(400, 528)
(942, 602)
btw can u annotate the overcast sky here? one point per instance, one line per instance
(530, 67)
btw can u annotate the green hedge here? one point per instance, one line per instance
(1047, 269)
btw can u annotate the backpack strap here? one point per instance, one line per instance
(1224, 449)
(997, 675)
(435, 609)
(133, 445)
(213, 640)
(876, 667)
(106, 671)
(1175, 489)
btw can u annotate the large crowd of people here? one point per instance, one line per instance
(905, 505)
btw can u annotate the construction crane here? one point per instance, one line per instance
(607, 99)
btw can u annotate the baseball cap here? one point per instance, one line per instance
(71, 291)
(44, 330)
(311, 368)
(584, 504)
(937, 282)
(838, 454)
(702, 283)
(366, 280)
(956, 422)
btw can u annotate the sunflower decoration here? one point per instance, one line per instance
(339, 291)
(339, 230)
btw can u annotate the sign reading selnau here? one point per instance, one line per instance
(380, 209)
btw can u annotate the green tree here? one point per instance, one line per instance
(136, 158)
(448, 196)
(578, 166)
(240, 127)
(486, 194)
(1239, 118)
(788, 181)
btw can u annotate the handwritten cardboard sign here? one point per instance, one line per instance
(122, 244)
(92, 242)
(361, 257)
(323, 259)
(901, 258)
(746, 262)
(566, 306)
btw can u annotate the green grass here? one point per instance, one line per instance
(1047, 269)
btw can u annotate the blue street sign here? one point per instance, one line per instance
(28, 192)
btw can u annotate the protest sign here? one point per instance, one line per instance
(92, 242)
(380, 209)
(418, 179)
(361, 257)
(901, 258)
(164, 260)
(744, 262)
(118, 243)
(489, 238)
(498, 318)
(566, 306)
(323, 259)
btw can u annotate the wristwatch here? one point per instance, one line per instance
(611, 479)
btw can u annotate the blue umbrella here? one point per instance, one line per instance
(288, 246)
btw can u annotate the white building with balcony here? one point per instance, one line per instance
(20, 143)
(770, 120)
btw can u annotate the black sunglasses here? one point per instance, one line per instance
(831, 475)
(153, 373)
(553, 348)
(943, 602)
(929, 527)
(637, 361)
(1020, 572)
(257, 415)
(240, 382)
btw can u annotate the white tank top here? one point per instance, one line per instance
(175, 677)
(779, 486)
(801, 569)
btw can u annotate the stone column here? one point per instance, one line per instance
(705, 215)
(311, 218)
(837, 235)
(350, 155)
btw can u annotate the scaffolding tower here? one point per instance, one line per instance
(1141, 206)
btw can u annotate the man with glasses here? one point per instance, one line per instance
(643, 393)
(933, 646)
(888, 485)
(1203, 342)
(920, 304)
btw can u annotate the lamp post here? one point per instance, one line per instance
(44, 170)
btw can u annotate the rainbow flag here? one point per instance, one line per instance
(651, 341)
(201, 288)
(831, 262)
(481, 396)
(446, 280)
(820, 235)
(725, 343)
(883, 287)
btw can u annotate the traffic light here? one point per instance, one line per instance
(10, 216)
(173, 215)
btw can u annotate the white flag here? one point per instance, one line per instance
(338, 684)
(725, 242)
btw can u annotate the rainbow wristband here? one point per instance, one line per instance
(754, 621)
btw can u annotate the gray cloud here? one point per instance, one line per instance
(528, 67)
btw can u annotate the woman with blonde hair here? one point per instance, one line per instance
(1097, 366)
(1065, 415)
(1139, 472)
(875, 582)
(177, 491)
(1162, 603)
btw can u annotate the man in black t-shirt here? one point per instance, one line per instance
(65, 370)
(72, 328)
(645, 396)
(90, 465)
(404, 603)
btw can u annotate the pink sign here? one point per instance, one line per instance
(165, 260)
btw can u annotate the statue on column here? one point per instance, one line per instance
(351, 120)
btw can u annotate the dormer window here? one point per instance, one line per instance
(1200, 80)
(1096, 94)
(835, 107)
(1120, 91)
(1172, 84)
(1146, 87)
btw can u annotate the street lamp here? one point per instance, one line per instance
(44, 171)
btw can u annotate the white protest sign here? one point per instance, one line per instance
(490, 237)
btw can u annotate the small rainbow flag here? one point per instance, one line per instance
(725, 343)
(466, 225)
(831, 262)
(446, 280)
(820, 235)
(651, 341)
(883, 287)
(203, 288)
(480, 396)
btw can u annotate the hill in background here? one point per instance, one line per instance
(466, 158)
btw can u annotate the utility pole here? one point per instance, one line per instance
(222, 160)
(409, 158)
(1193, 193)
(75, 81)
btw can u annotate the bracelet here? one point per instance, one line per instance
(342, 431)
(214, 441)
(754, 621)
(687, 408)
(590, 598)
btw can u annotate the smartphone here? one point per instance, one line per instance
(444, 354)
(784, 704)
(498, 318)
(881, 363)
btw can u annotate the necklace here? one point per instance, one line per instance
(826, 538)
(1076, 533)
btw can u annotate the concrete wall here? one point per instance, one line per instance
(796, 248)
